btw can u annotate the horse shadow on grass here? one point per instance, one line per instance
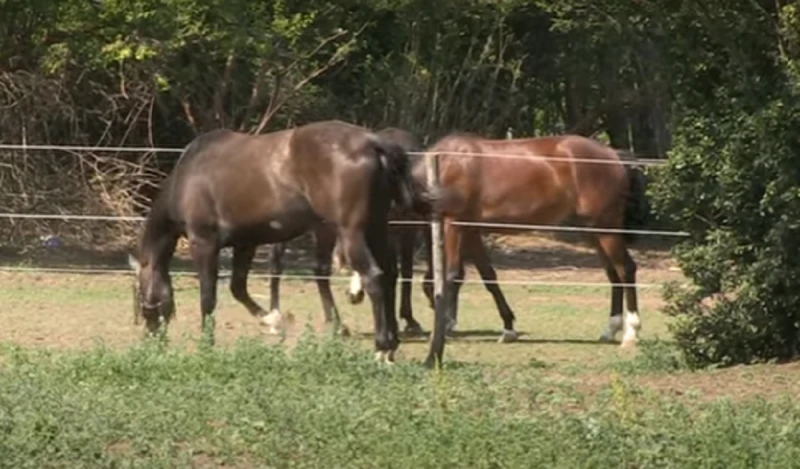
(484, 336)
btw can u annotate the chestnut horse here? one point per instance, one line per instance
(404, 236)
(231, 189)
(543, 181)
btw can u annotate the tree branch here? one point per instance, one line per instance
(277, 103)
(222, 89)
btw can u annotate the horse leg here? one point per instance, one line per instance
(326, 242)
(427, 282)
(275, 270)
(477, 250)
(360, 247)
(621, 267)
(615, 316)
(355, 292)
(242, 261)
(386, 253)
(406, 240)
(454, 272)
(205, 256)
(457, 274)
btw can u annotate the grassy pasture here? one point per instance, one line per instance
(78, 388)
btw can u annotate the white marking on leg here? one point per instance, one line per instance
(356, 290)
(273, 320)
(632, 325)
(614, 326)
(385, 356)
(355, 283)
(275, 225)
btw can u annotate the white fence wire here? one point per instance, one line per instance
(339, 278)
(574, 159)
(499, 226)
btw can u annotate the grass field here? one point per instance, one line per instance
(78, 388)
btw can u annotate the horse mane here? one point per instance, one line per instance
(157, 224)
(157, 236)
(461, 133)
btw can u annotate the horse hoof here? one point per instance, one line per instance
(385, 356)
(631, 343)
(414, 330)
(355, 298)
(273, 321)
(343, 331)
(508, 336)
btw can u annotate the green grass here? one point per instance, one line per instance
(327, 404)
(555, 399)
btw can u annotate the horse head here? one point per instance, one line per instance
(152, 294)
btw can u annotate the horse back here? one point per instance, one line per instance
(542, 179)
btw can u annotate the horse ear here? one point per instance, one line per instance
(134, 263)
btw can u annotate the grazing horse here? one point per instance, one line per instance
(547, 180)
(405, 237)
(231, 189)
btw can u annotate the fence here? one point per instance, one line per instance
(533, 227)
(437, 260)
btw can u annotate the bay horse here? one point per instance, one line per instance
(231, 189)
(404, 236)
(544, 181)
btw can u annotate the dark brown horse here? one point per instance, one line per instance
(404, 236)
(542, 181)
(238, 190)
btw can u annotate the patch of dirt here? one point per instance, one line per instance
(740, 383)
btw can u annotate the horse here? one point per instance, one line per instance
(546, 180)
(232, 189)
(404, 236)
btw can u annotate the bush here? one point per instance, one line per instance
(733, 180)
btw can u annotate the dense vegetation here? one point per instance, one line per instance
(328, 404)
(711, 84)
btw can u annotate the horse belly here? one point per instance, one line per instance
(539, 200)
(269, 225)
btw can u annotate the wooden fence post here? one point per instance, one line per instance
(438, 264)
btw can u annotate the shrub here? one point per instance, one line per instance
(733, 180)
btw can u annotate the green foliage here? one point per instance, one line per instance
(653, 356)
(733, 180)
(328, 404)
(715, 82)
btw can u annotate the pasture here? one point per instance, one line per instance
(78, 387)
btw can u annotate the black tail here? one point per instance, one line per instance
(637, 205)
(406, 192)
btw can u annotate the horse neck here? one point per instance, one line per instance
(159, 238)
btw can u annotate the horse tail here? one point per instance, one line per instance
(637, 205)
(397, 165)
(409, 181)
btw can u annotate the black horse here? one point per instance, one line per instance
(231, 189)
(404, 236)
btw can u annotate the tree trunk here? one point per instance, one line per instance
(617, 127)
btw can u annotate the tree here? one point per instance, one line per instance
(733, 180)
